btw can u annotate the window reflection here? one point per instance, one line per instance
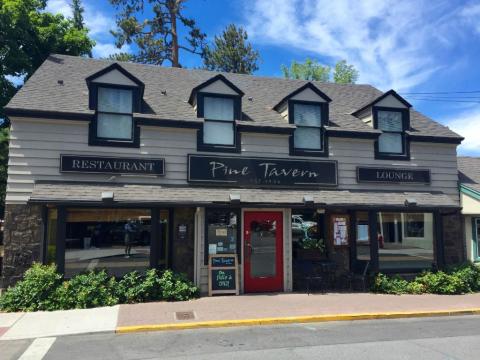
(263, 248)
(221, 231)
(363, 239)
(405, 240)
(117, 240)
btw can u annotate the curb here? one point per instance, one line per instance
(293, 320)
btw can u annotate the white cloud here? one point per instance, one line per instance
(103, 50)
(470, 14)
(393, 44)
(467, 124)
(59, 7)
(98, 23)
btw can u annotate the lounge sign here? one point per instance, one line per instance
(111, 165)
(246, 171)
(392, 175)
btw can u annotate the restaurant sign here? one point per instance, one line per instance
(111, 165)
(256, 171)
(393, 175)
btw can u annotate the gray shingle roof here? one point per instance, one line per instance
(81, 192)
(42, 93)
(469, 171)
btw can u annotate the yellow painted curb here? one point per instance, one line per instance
(293, 319)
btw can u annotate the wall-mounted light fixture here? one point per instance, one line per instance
(308, 200)
(235, 198)
(107, 195)
(410, 202)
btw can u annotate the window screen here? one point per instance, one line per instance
(219, 127)
(114, 118)
(308, 119)
(392, 139)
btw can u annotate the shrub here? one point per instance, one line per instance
(457, 280)
(135, 288)
(443, 283)
(35, 292)
(88, 290)
(470, 273)
(390, 285)
(176, 287)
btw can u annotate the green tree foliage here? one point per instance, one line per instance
(123, 56)
(153, 26)
(309, 70)
(231, 52)
(28, 35)
(344, 73)
(312, 70)
(77, 10)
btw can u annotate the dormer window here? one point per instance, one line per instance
(114, 114)
(219, 127)
(115, 95)
(307, 110)
(218, 102)
(392, 143)
(389, 113)
(308, 119)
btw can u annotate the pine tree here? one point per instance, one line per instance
(153, 25)
(231, 52)
(78, 10)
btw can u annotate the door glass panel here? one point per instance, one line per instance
(263, 248)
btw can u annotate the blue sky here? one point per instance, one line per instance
(409, 45)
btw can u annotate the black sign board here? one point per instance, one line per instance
(255, 171)
(111, 165)
(393, 175)
(224, 279)
(223, 261)
(222, 274)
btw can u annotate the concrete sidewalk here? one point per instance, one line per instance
(233, 311)
(272, 308)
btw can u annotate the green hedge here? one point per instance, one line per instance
(42, 288)
(457, 280)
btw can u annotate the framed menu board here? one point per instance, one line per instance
(223, 274)
(340, 230)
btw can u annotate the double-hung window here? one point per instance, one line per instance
(114, 114)
(308, 138)
(219, 129)
(392, 142)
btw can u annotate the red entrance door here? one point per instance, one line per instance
(263, 259)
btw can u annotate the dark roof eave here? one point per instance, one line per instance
(268, 129)
(352, 134)
(185, 124)
(61, 115)
(435, 139)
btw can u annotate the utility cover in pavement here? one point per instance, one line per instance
(184, 315)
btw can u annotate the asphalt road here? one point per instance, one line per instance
(426, 338)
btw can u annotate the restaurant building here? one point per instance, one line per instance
(469, 176)
(126, 166)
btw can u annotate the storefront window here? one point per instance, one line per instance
(307, 232)
(221, 231)
(117, 240)
(405, 240)
(51, 236)
(363, 239)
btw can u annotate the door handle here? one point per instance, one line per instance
(248, 249)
